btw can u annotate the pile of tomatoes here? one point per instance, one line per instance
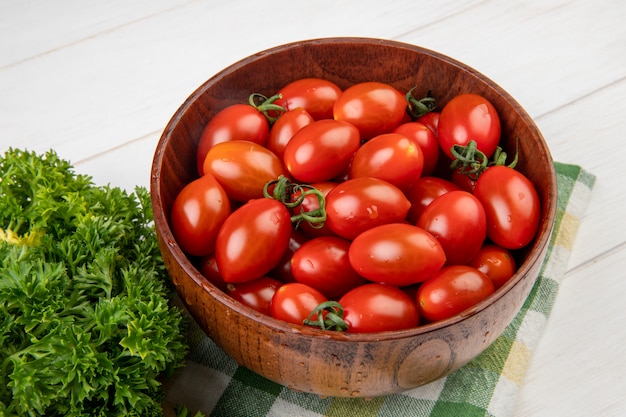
(360, 210)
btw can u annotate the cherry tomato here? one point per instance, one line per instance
(256, 294)
(311, 203)
(293, 302)
(373, 107)
(323, 264)
(285, 127)
(282, 271)
(235, 122)
(315, 95)
(392, 157)
(457, 220)
(423, 192)
(430, 120)
(374, 308)
(469, 117)
(495, 262)
(321, 150)
(396, 254)
(356, 205)
(426, 140)
(252, 240)
(511, 204)
(197, 214)
(453, 290)
(242, 168)
(207, 265)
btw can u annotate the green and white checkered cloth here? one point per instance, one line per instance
(488, 386)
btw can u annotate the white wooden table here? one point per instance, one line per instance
(97, 81)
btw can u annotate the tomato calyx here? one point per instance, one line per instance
(328, 316)
(470, 161)
(419, 107)
(267, 106)
(284, 189)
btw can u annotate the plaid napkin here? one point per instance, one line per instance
(488, 386)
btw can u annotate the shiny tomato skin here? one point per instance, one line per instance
(315, 95)
(457, 220)
(469, 117)
(453, 290)
(242, 168)
(311, 203)
(372, 308)
(496, 262)
(323, 264)
(252, 240)
(430, 120)
(321, 150)
(424, 191)
(373, 107)
(359, 204)
(512, 206)
(427, 142)
(285, 127)
(293, 302)
(396, 254)
(235, 122)
(392, 157)
(256, 294)
(197, 214)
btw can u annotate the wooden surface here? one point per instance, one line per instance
(98, 81)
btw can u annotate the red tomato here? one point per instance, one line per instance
(374, 308)
(252, 240)
(426, 140)
(242, 168)
(293, 302)
(207, 266)
(392, 157)
(495, 262)
(256, 294)
(423, 192)
(323, 264)
(430, 120)
(282, 271)
(463, 181)
(315, 95)
(311, 203)
(511, 204)
(235, 122)
(453, 290)
(285, 127)
(396, 254)
(359, 204)
(373, 107)
(321, 150)
(197, 214)
(469, 117)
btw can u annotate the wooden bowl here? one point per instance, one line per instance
(328, 363)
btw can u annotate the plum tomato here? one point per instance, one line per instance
(242, 168)
(392, 157)
(284, 128)
(375, 307)
(311, 203)
(469, 117)
(457, 220)
(256, 294)
(373, 107)
(396, 254)
(252, 240)
(293, 302)
(427, 142)
(323, 264)
(235, 122)
(496, 262)
(451, 291)
(358, 204)
(315, 95)
(424, 191)
(511, 204)
(321, 150)
(197, 214)
(430, 120)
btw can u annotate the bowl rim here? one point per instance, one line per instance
(535, 251)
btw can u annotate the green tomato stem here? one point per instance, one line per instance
(419, 107)
(267, 106)
(284, 190)
(331, 320)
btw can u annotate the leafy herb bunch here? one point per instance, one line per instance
(87, 327)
